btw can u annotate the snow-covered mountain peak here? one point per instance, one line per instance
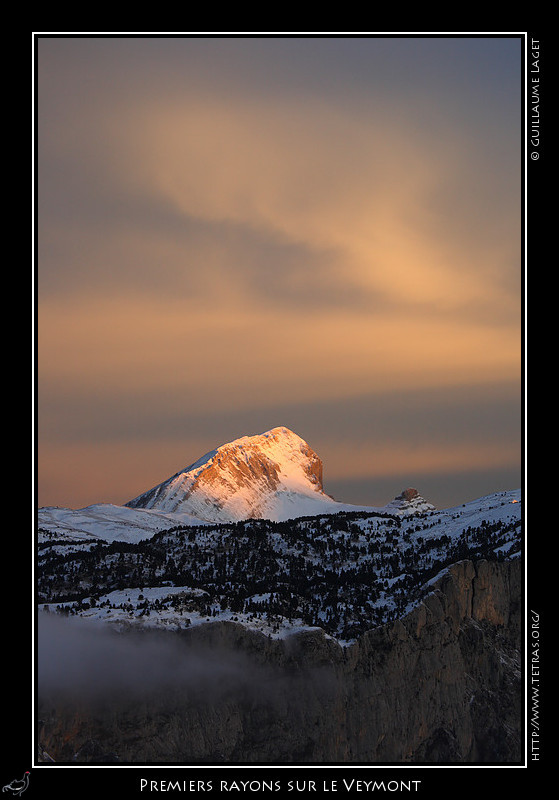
(280, 445)
(273, 475)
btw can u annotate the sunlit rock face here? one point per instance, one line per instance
(274, 475)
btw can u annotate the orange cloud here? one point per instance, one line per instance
(246, 252)
(381, 196)
(430, 310)
(222, 357)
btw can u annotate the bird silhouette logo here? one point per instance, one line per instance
(17, 787)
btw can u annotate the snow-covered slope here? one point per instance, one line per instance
(344, 573)
(274, 475)
(106, 522)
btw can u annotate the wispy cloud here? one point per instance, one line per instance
(253, 222)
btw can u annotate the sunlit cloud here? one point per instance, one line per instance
(238, 238)
(334, 184)
(247, 350)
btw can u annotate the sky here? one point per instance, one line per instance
(238, 233)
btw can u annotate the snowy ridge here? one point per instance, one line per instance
(106, 522)
(274, 476)
(344, 573)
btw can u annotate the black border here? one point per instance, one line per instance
(20, 746)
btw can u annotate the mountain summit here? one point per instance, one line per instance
(274, 475)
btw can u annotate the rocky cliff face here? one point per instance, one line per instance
(441, 685)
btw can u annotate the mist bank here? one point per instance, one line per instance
(95, 662)
(440, 685)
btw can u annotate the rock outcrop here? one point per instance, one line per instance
(409, 502)
(440, 685)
